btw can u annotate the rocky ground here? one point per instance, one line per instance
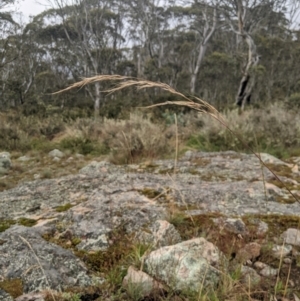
(197, 219)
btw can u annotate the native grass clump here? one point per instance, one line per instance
(25, 133)
(274, 130)
(124, 141)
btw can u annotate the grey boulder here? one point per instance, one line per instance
(39, 264)
(187, 265)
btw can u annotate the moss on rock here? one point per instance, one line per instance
(13, 287)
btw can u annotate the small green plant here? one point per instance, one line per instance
(75, 241)
(236, 273)
(137, 252)
(5, 224)
(63, 208)
(27, 222)
(115, 276)
(135, 291)
(177, 218)
(279, 287)
(83, 146)
(71, 297)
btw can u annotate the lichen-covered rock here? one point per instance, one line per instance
(267, 158)
(5, 162)
(161, 233)
(269, 272)
(4, 296)
(292, 237)
(141, 283)
(39, 264)
(40, 296)
(279, 251)
(233, 225)
(56, 153)
(85, 208)
(249, 276)
(24, 159)
(186, 265)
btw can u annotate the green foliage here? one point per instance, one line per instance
(294, 101)
(5, 224)
(71, 297)
(177, 218)
(83, 146)
(51, 129)
(41, 144)
(63, 208)
(27, 222)
(135, 257)
(33, 107)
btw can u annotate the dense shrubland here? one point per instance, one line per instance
(149, 134)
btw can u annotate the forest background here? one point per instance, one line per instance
(241, 54)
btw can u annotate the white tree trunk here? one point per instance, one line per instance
(97, 100)
(248, 80)
(197, 67)
(207, 35)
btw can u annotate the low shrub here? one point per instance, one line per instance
(274, 130)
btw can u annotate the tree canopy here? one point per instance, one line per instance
(225, 51)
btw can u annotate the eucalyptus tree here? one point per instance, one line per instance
(245, 18)
(203, 20)
(88, 32)
(6, 16)
(148, 22)
(7, 53)
(204, 23)
(19, 74)
(7, 27)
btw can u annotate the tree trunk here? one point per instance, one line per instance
(139, 64)
(197, 67)
(161, 53)
(97, 100)
(248, 80)
(207, 34)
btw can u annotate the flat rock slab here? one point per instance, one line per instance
(39, 264)
(229, 183)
